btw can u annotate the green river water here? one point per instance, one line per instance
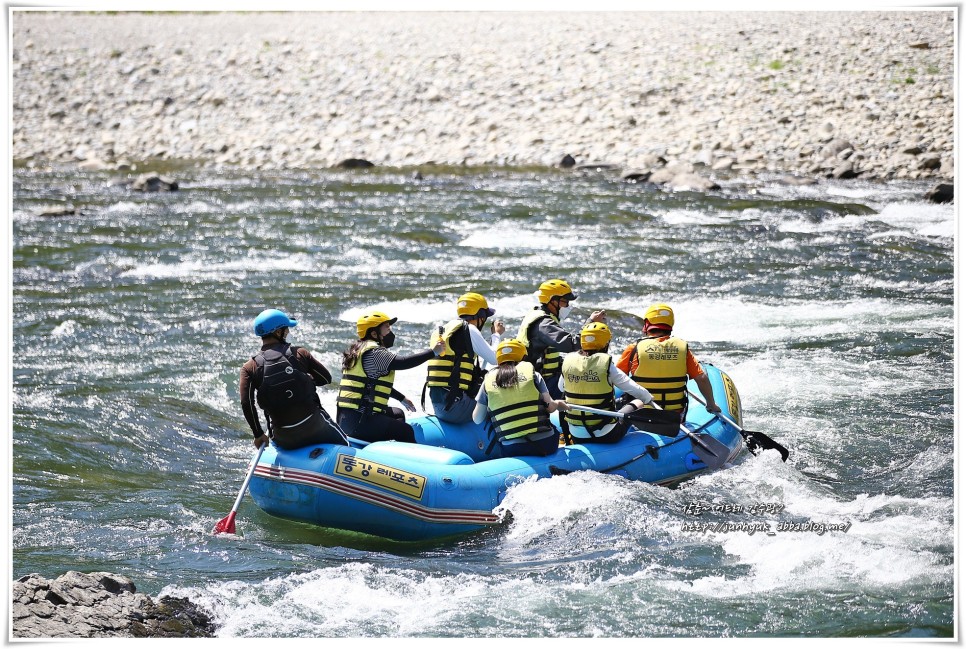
(831, 307)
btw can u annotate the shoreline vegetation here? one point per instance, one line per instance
(667, 97)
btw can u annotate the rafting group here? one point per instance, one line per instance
(541, 404)
(512, 385)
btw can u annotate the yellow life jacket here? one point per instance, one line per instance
(443, 372)
(546, 360)
(359, 392)
(663, 369)
(587, 383)
(518, 410)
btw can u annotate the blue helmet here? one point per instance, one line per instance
(271, 319)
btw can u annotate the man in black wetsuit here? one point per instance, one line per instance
(281, 378)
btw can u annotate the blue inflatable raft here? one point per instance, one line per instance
(447, 485)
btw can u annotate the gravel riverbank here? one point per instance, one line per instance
(848, 94)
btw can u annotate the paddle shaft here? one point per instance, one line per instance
(622, 415)
(595, 411)
(248, 478)
(718, 414)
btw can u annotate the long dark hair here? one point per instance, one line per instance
(351, 355)
(506, 375)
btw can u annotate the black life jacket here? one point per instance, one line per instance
(287, 392)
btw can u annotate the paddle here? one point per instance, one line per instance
(710, 451)
(754, 439)
(652, 420)
(227, 524)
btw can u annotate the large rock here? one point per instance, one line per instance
(100, 605)
(152, 182)
(636, 175)
(57, 210)
(942, 193)
(354, 163)
(662, 176)
(845, 171)
(835, 147)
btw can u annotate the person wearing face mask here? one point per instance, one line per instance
(588, 378)
(368, 372)
(455, 377)
(281, 379)
(543, 336)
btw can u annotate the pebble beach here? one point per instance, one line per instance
(867, 94)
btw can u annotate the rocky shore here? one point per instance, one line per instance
(100, 605)
(865, 94)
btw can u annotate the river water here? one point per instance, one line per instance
(830, 306)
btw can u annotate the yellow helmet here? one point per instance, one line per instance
(370, 320)
(596, 335)
(471, 304)
(555, 288)
(510, 350)
(660, 315)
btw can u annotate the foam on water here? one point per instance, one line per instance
(511, 309)
(763, 323)
(227, 269)
(508, 235)
(847, 223)
(698, 217)
(406, 310)
(199, 207)
(65, 329)
(923, 219)
(916, 219)
(892, 541)
(371, 600)
(207, 389)
(124, 207)
(542, 506)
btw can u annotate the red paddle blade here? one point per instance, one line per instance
(225, 525)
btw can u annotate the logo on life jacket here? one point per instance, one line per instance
(587, 377)
(666, 351)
